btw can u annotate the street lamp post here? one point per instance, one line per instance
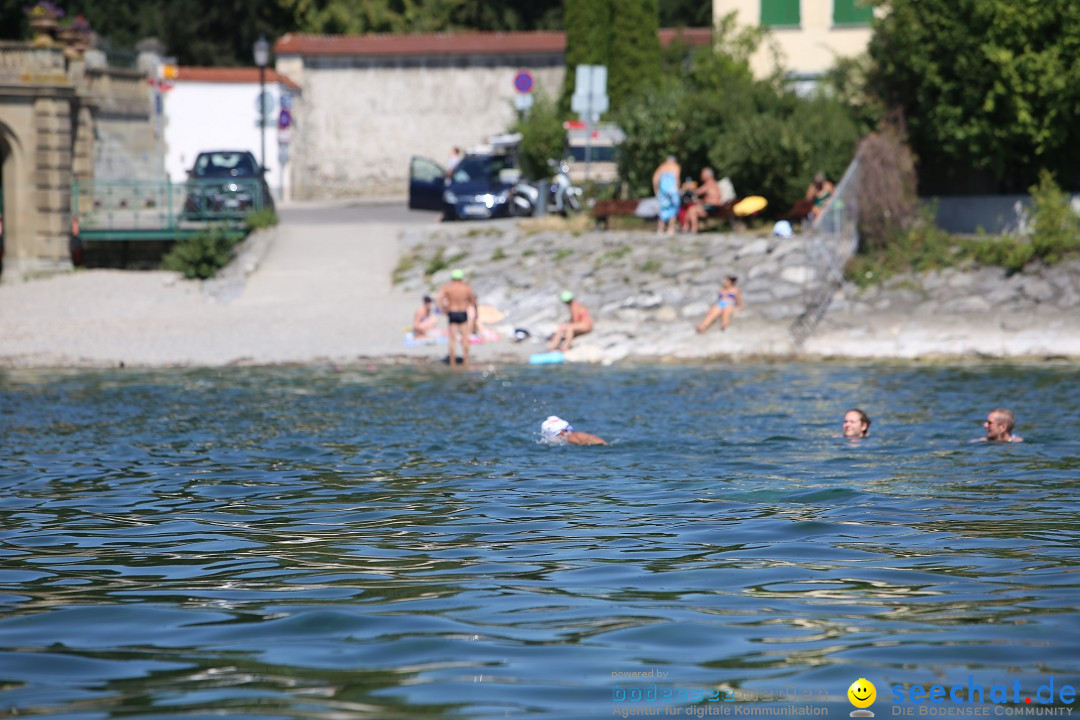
(262, 57)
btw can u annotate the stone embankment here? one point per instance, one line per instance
(647, 292)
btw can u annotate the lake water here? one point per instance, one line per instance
(396, 543)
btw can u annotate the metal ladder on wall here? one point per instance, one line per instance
(830, 243)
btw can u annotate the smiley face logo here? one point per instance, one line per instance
(862, 694)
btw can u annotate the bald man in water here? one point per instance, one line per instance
(999, 425)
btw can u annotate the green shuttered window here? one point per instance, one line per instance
(780, 13)
(852, 12)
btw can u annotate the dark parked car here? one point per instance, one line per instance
(226, 184)
(478, 188)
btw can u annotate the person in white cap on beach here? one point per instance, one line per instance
(557, 430)
(580, 323)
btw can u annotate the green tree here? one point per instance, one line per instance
(989, 84)
(635, 50)
(542, 136)
(588, 40)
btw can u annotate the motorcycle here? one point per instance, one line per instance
(563, 197)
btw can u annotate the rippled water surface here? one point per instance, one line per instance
(394, 543)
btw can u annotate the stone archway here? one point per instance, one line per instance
(9, 185)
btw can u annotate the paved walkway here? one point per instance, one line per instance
(322, 292)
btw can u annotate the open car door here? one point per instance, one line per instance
(427, 180)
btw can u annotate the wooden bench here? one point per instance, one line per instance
(603, 210)
(606, 209)
(800, 210)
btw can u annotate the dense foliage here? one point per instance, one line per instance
(987, 84)
(543, 137)
(711, 111)
(588, 40)
(221, 32)
(634, 65)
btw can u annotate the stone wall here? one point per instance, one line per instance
(361, 123)
(646, 293)
(128, 146)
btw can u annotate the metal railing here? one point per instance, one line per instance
(830, 243)
(155, 209)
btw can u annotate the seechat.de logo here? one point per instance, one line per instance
(862, 695)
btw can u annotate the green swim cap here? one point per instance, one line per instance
(566, 296)
(457, 274)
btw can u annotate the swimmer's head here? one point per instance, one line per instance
(566, 296)
(553, 427)
(457, 274)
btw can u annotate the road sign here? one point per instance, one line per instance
(590, 98)
(284, 119)
(523, 81)
(286, 101)
(523, 102)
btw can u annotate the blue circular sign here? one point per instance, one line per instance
(284, 119)
(523, 81)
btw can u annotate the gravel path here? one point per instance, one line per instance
(299, 293)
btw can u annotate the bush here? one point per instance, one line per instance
(542, 138)
(1057, 227)
(201, 255)
(261, 219)
(766, 138)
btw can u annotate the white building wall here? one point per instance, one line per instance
(361, 125)
(219, 116)
(806, 51)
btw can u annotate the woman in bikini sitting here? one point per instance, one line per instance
(580, 323)
(819, 191)
(730, 298)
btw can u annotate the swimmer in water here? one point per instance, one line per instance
(999, 425)
(856, 424)
(557, 430)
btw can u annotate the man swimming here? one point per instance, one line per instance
(856, 424)
(557, 430)
(455, 298)
(999, 425)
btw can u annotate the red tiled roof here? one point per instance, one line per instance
(231, 75)
(493, 43)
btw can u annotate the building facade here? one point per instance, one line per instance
(809, 35)
(62, 116)
(372, 102)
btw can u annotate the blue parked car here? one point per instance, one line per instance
(478, 188)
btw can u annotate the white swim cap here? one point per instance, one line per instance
(553, 426)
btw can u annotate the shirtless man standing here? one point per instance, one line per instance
(455, 299)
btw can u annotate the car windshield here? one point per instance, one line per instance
(225, 164)
(481, 168)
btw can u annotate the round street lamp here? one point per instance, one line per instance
(261, 49)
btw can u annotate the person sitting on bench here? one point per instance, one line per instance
(711, 199)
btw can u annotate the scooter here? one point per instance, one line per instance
(563, 197)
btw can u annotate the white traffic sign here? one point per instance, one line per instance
(590, 98)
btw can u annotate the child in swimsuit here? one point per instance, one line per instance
(729, 299)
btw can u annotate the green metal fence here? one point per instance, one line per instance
(160, 209)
